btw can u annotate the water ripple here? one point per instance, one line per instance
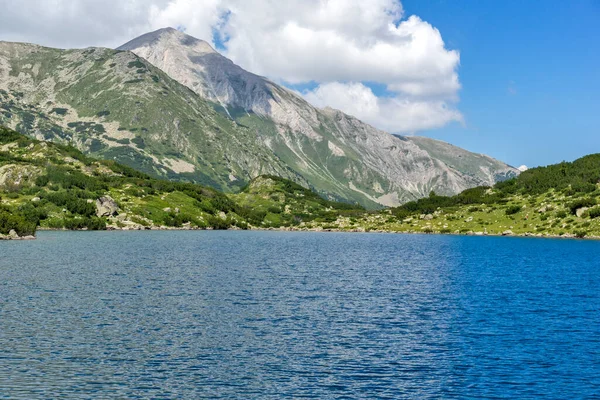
(298, 315)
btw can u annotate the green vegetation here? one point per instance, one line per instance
(57, 187)
(537, 202)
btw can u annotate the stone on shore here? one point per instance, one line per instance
(106, 207)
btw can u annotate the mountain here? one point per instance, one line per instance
(115, 105)
(353, 157)
(191, 114)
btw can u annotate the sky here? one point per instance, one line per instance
(518, 80)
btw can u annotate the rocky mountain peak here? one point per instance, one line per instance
(169, 38)
(197, 65)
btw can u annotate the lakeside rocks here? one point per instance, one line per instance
(106, 206)
(12, 235)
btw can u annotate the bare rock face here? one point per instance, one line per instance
(106, 207)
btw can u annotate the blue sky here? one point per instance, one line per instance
(530, 74)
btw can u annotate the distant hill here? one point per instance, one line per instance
(559, 200)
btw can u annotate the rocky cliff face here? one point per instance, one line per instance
(335, 152)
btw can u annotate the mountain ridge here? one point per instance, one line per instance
(292, 113)
(115, 104)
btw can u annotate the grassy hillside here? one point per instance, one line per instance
(57, 187)
(557, 200)
(560, 200)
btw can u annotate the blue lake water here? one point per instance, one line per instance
(298, 315)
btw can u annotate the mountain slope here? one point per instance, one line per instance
(335, 152)
(53, 186)
(114, 105)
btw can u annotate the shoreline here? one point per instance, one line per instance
(323, 230)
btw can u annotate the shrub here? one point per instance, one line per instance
(580, 203)
(594, 212)
(510, 210)
(136, 64)
(10, 220)
(561, 214)
(59, 111)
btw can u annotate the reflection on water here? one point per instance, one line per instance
(271, 315)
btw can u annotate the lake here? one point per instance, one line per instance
(202, 314)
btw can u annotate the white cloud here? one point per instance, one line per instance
(393, 114)
(293, 41)
(74, 23)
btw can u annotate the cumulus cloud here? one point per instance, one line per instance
(393, 114)
(336, 43)
(74, 23)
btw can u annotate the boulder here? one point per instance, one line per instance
(13, 234)
(106, 207)
(428, 217)
(580, 211)
(507, 232)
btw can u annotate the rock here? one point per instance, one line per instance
(470, 219)
(478, 233)
(507, 232)
(407, 220)
(543, 210)
(428, 217)
(106, 207)
(13, 234)
(167, 209)
(580, 211)
(176, 210)
(36, 200)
